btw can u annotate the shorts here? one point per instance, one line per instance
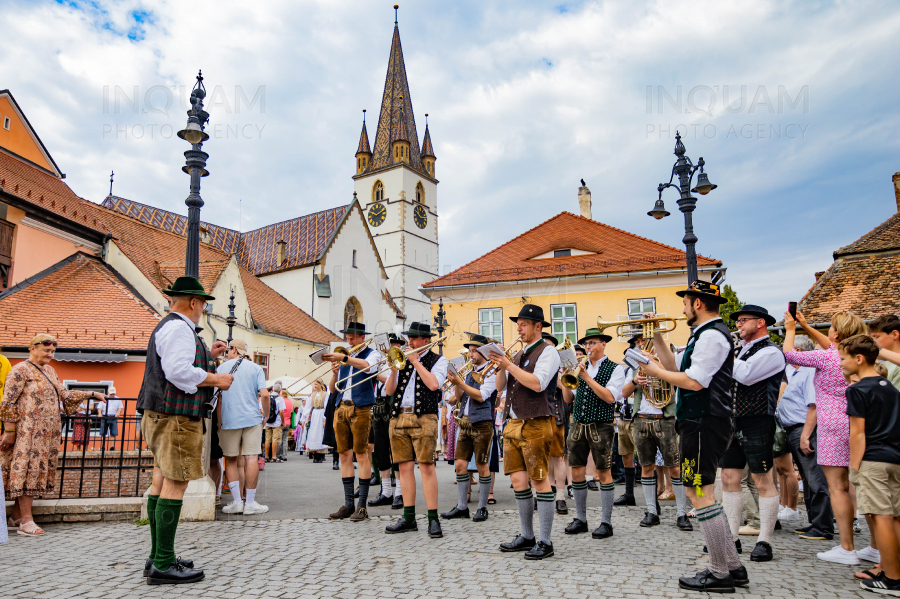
(753, 444)
(273, 434)
(595, 438)
(558, 440)
(780, 446)
(526, 446)
(701, 444)
(474, 439)
(414, 438)
(626, 437)
(351, 428)
(651, 434)
(176, 443)
(109, 427)
(241, 441)
(381, 437)
(877, 488)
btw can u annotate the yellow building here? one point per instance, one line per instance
(578, 270)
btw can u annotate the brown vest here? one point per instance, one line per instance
(523, 401)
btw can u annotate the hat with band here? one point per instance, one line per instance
(703, 289)
(419, 329)
(531, 312)
(354, 328)
(187, 286)
(757, 311)
(476, 340)
(595, 334)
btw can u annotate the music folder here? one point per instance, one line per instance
(316, 356)
(490, 348)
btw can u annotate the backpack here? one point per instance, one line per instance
(273, 409)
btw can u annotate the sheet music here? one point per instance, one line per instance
(490, 348)
(316, 356)
(451, 369)
(634, 357)
(381, 342)
(567, 358)
(457, 362)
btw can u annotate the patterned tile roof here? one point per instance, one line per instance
(364, 146)
(869, 287)
(82, 301)
(612, 251)
(885, 236)
(427, 148)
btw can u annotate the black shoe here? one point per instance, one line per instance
(778, 525)
(174, 574)
(603, 531)
(625, 499)
(619, 481)
(455, 513)
(658, 509)
(540, 551)
(576, 527)
(520, 543)
(375, 481)
(592, 485)
(434, 529)
(706, 582)
(569, 492)
(737, 547)
(739, 576)
(761, 553)
(398, 502)
(336, 466)
(187, 563)
(817, 535)
(649, 520)
(561, 507)
(684, 523)
(481, 514)
(402, 525)
(800, 531)
(380, 500)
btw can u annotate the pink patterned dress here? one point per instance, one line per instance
(833, 428)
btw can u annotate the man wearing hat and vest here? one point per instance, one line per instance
(381, 420)
(353, 417)
(414, 427)
(526, 438)
(758, 371)
(476, 431)
(591, 433)
(179, 377)
(703, 375)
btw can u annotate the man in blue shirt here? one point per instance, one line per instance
(241, 429)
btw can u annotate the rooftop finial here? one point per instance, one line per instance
(364, 116)
(426, 119)
(396, 7)
(111, 173)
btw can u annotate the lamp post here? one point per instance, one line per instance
(231, 319)
(685, 170)
(440, 324)
(195, 166)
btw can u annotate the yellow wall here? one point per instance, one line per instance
(18, 139)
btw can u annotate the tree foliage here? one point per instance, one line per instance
(732, 305)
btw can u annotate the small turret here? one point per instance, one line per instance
(363, 152)
(428, 157)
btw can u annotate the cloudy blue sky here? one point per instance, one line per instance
(525, 99)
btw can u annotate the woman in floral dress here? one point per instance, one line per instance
(833, 424)
(29, 447)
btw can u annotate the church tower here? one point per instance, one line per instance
(397, 191)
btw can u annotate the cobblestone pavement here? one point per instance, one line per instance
(318, 558)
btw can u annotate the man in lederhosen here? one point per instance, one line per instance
(353, 417)
(179, 377)
(592, 430)
(381, 437)
(526, 438)
(703, 375)
(476, 431)
(414, 427)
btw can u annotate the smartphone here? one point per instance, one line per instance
(792, 309)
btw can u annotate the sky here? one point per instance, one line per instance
(793, 106)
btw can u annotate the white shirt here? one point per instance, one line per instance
(439, 370)
(761, 365)
(487, 387)
(373, 358)
(176, 349)
(616, 380)
(710, 352)
(111, 407)
(545, 368)
(280, 407)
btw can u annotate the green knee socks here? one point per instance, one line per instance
(168, 511)
(151, 516)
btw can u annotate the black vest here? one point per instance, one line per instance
(715, 400)
(760, 398)
(479, 411)
(426, 400)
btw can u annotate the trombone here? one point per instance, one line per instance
(480, 376)
(348, 353)
(396, 359)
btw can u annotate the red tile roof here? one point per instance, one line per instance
(885, 236)
(83, 302)
(612, 251)
(869, 287)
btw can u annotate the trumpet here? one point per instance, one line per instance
(569, 377)
(649, 326)
(348, 353)
(480, 376)
(396, 360)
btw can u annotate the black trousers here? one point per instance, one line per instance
(815, 486)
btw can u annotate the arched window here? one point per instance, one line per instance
(420, 193)
(378, 191)
(352, 311)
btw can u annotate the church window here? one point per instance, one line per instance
(420, 193)
(378, 191)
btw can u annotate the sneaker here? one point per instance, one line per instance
(870, 554)
(839, 555)
(235, 507)
(255, 508)
(788, 514)
(882, 585)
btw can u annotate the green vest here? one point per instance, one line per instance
(588, 407)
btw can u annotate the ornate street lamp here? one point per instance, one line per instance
(195, 166)
(231, 320)
(685, 170)
(440, 324)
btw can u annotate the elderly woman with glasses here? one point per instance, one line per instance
(29, 447)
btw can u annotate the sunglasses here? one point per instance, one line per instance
(48, 343)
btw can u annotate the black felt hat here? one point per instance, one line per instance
(395, 338)
(355, 328)
(476, 340)
(703, 289)
(551, 338)
(594, 334)
(419, 329)
(531, 312)
(187, 286)
(757, 311)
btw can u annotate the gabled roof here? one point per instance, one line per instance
(884, 237)
(610, 250)
(82, 301)
(869, 287)
(35, 153)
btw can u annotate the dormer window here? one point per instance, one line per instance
(561, 253)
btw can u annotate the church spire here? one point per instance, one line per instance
(363, 153)
(428, 157)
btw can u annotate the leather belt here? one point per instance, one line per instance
(405, 410)
(346, 402)
(653, 416)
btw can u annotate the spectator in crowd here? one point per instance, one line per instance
(287, 418)
(4, 370)
(29, 447)
(274, 423)
(833, 425)
(241, 432)
(885, 330)
(111, 411)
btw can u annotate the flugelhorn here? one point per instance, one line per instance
(396, 360)
(569, 377)
(480, 376)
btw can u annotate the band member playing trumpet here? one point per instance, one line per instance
(592, 430)
(526, 438)
(703, 375)
(353, 417)
(414, 426)
(476, 430)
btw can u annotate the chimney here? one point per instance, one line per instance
(897, 189)
(584, 201)
(281, 245)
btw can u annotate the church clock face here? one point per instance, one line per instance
(377, 214)
(420, 217)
